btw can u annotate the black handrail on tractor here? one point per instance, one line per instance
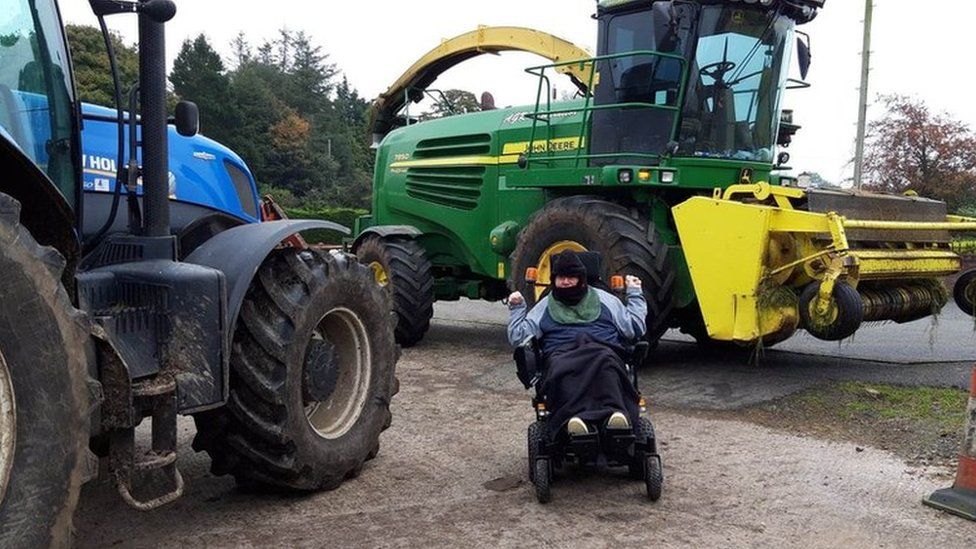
(588, 108)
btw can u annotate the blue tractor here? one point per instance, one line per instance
(211, 189)
(126, 308)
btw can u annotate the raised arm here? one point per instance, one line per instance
(521, 325)
(636, 306)
(630, 319)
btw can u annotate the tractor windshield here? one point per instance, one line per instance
(731, 107)
(36, 95)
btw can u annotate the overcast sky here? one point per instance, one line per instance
(920, 48)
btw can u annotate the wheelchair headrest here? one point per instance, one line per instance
(593, 263)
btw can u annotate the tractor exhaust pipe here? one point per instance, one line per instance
(153, 15)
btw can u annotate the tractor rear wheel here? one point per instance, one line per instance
(312, 376)
(44, 402)
(401, 266)
(628, 243)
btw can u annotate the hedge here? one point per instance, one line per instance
(343, 216)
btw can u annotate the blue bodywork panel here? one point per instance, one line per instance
(202, 171)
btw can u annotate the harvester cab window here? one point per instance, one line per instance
(36, 93)
(636, 76)
(737, 75)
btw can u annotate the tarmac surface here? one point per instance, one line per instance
(452, 468)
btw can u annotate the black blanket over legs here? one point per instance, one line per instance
(587, 379)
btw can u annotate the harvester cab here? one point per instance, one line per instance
(690, 79)
(283, 354)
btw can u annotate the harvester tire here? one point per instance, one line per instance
(312, 376)
(629, 244)
(964, 292)
(406, 273)
(44, 398)
(847, 318)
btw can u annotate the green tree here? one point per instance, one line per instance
(452, 102)
(199, 75)
(285, 109)
(91, 67)
(310, 75)
(254, 98)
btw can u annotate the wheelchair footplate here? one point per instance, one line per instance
(584, 448)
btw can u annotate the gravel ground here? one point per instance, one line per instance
(451, 470)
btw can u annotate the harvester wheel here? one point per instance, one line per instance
(843, 318)
(629, 245)
(312, 375)
(964, 292)
(401, 266)
(44, 399)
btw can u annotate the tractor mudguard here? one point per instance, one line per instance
(384, 231)
(240, 251)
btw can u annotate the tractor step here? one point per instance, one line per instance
(153, 475)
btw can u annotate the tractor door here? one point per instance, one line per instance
(641, 70)
(36, 94)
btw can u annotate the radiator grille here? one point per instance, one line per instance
(459, 145)
(456, 187)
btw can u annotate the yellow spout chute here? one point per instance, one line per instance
(466, 46)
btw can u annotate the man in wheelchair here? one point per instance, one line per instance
(578, 347)
(583, 334)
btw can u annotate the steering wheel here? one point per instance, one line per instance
(717, 71)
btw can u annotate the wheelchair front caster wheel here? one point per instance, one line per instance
(653, 477)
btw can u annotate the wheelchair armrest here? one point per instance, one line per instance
(528, 363)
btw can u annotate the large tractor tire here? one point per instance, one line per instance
(44, 399)
(400, 265)
(312, 376)
(628, 243)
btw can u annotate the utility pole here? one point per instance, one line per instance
(862, 118)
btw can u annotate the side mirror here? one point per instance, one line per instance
(187, 118)
(804, 56)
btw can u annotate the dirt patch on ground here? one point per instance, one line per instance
(923, 425)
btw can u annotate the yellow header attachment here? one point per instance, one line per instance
(746, 244)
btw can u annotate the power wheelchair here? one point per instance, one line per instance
(547, 453)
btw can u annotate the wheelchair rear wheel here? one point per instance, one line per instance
(644, 435)
(542, 480)
(534, 444)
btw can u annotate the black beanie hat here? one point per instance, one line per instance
(568, 263)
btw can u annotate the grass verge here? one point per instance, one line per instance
(923, 425)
